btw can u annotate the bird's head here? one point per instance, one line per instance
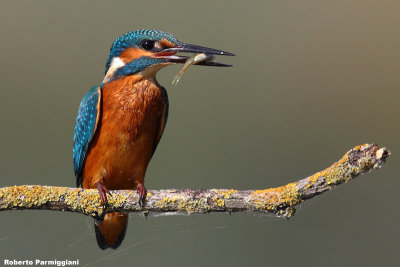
(147, 51)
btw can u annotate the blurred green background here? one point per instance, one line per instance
(311, 80)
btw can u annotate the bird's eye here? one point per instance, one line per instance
(147, 44)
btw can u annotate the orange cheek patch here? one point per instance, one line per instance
(133, 53)
(165, 43)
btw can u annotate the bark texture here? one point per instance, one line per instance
(280, 201)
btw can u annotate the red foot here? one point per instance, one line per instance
(142, 191)
(103, 193)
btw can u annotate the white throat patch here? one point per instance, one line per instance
(116, 63)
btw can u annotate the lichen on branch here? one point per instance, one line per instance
(280, 201)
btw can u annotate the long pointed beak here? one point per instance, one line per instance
(190, 48)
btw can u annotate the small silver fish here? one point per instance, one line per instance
(192, 60)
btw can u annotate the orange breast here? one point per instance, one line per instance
(131, 120)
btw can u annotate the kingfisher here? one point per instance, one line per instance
(120, 122)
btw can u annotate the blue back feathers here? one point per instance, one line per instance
(133, 39)
(85, 127)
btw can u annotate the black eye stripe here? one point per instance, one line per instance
(147, 44)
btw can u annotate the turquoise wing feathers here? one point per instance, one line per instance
(85, 128)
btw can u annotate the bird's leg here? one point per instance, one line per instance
(103, 193)
(142, 191)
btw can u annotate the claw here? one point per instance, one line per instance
(103, 193)
(142, 191)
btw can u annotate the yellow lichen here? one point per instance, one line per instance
(220, 202)
(332, 175)
(182, 204)
(117, 200)
(342, 171)
(280, 200)
(226, 193)
(270, 199)
(191, 206)
(220, 195)
(359, 147)
(312, 180)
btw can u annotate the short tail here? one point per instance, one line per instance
(110, 232)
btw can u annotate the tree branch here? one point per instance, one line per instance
(280, 201)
